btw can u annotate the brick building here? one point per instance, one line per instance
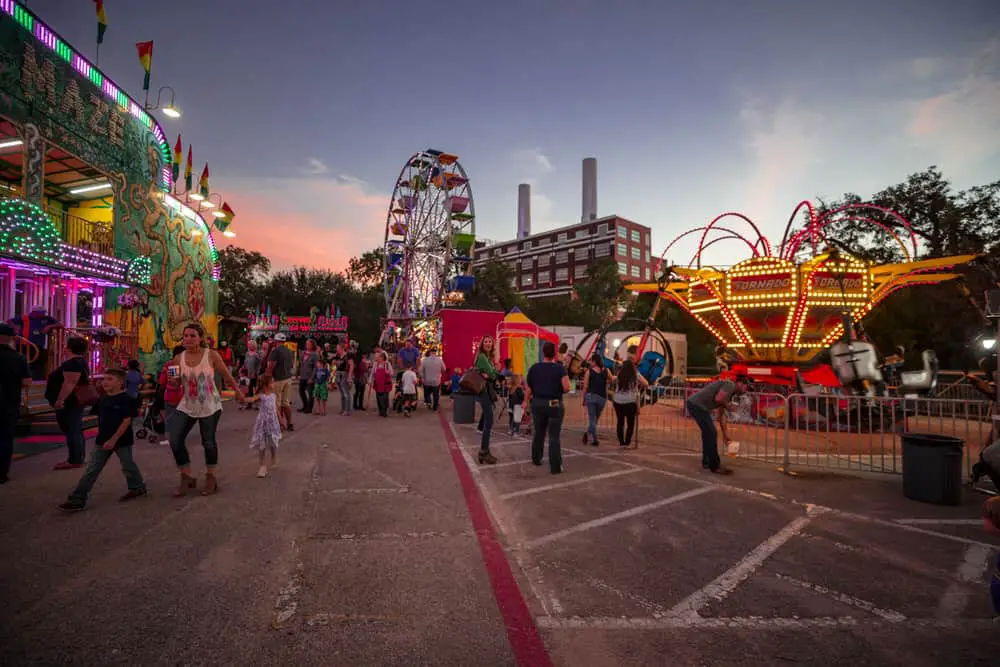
(549, 263)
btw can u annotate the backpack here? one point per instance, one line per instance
(382, 379)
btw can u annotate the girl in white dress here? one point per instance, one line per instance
(267, 428)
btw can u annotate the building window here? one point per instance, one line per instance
(562, 274)
(602, 251)
(534, 243)
(543, 260)
(580, 271)
(649, 273)
(649, 256)
(526, 281)
(636, 236)
(561, 237)
(635, 271)
(623, 268)
(543, 277)
(622, 232)
(526, 265)
(562, 257)
(636, 253)
(513, 282)
(623, 250)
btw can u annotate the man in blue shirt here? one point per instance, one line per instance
(409, 356)
(547, 383)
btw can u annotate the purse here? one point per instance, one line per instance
(86, 394)
(472, 382)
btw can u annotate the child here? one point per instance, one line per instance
(321, 385)
(115, 412)
(456, 381)
(244, 380)
(133, 380)
(267, 428)
(409, 392)
(515, 401)
(382, 383)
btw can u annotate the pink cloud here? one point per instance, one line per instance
(312, 222)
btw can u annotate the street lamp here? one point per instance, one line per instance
(169, 109)
(217, 211)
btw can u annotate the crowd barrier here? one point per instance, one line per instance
(804, 430)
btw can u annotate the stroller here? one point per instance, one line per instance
(152, 425)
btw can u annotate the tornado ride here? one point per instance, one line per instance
(430, 231)
(780, 309)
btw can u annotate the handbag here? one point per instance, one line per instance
(472, 382)
(86, 394)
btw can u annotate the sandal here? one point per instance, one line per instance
(211, 485)
(187, 482)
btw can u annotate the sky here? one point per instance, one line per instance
(307, 111)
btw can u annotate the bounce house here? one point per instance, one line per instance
(520, 340)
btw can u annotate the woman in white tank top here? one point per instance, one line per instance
(194, 370)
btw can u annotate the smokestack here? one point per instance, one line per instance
(523, 210)
(589, 189)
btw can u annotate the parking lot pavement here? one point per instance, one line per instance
(642, 558)
(356, 550)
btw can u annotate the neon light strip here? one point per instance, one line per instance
(177, 207)
(56, 44)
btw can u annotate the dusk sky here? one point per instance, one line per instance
(306, 111)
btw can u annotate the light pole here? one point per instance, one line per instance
(217, 211)
(170, 109)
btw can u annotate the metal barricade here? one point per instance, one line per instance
(862, 433)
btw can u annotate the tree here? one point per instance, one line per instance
(366, 271)
(243, 274)
(494, 288)
(600, 295)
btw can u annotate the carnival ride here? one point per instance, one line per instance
(782, 307)
(430, 231)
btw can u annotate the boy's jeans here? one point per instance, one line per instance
(98, 459)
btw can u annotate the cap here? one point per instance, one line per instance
(7, 330)
(280, 337)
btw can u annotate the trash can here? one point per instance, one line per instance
(464, 408)
(932, 468)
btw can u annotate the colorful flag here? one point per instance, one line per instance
(178, 156)
(203, 184)
(145, 50)
(222, 222)
(102, 20)
(188, 171)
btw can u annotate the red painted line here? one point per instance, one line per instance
(522, 633)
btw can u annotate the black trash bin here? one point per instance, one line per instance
(464, 408)
(932, 468)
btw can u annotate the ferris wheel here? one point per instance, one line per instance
(430, 231)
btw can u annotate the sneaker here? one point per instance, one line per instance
(132, 494)
(73, 506)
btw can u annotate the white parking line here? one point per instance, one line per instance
(940, 522)
(728, 581)
(956, 597)
(747, 623)
(521, 462)
(563, 485)
(843, 598)
(611, 518)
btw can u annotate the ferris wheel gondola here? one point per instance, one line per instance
(429, 237)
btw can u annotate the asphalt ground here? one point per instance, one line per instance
(382, 542)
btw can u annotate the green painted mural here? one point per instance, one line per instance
(55, 99)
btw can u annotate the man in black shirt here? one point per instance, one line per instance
(115, 412)
(547, 382)
(14, 378)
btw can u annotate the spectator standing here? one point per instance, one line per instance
(279, 366)
(431, 373)
(547, 383)
(307, 371)
(15, 377)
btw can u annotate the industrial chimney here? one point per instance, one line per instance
(523, 210)
(589, 189)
